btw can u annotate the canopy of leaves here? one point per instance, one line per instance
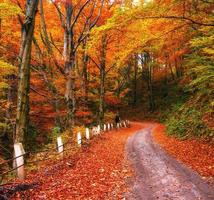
(8, 9)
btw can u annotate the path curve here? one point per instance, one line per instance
(160, 176)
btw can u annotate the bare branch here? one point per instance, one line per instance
(61, 16)
(79, 13)
(94, 62)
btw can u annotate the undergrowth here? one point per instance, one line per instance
(184, 114)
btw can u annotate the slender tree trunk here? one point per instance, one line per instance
(49, 83)
(44, 28)
(102, 79)
(0, 27)
(22, 117)
(150, 85)
(166, 71)
(178, 68)
(135, 59)
(70, 93)
(165, 88)
(85, 72)
(171, 70)
(142, 61)
(102, 95)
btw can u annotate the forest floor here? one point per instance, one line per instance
(104, 170)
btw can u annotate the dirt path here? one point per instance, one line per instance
(101, 172)
(158, 175)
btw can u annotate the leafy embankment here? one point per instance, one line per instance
(186, 115)
(195, 153)
(194, 115)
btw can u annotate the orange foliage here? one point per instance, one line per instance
(195, 153)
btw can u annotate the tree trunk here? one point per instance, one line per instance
(178, 68)
(135, 59)
(0, 27)
(22, 117)
(171, 70)
(85, 72)
(50, 84)
(166, 71)
(70, 93)
(102, 95)
(150, 85)
(102, 79)
(69, 56)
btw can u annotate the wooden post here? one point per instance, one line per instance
(19, 161)
(60, 145)
(87, 134)
(109, 127)
(118, 125)
(79, 139)
(98, 129)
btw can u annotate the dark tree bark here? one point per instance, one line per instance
(22, 117)
(147, 72)
(85, 58)
(150, 87)
(135, 62)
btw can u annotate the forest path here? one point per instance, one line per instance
(160, 176)
(101, 171)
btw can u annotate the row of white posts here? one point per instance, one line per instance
(96, 130)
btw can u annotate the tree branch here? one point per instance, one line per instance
(177, 18)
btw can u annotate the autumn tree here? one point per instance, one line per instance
(22, 118)
(75, 13)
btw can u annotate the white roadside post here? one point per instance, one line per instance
(118, 125)
(109, 127)
(98, 129)
(104, 127)
(79, 139)
(60, 145)
(19, 161)
(112, 126)
(87, 134)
